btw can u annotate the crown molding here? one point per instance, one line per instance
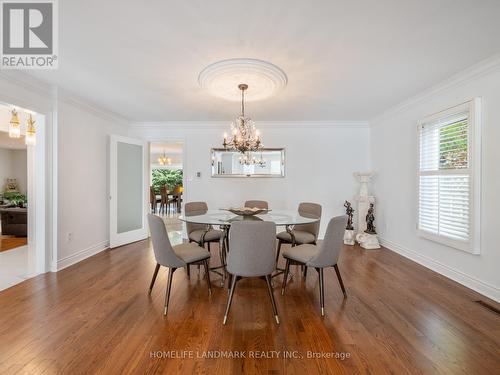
(218, 125)
(71, 99)
(482, 68)
(33, 84)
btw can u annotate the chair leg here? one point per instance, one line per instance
(340, 279)
(188, 271)
(171, 271)
(321, 292)
(278, 252)
(285, 277)
(154, 278)
(305, 271)
(271, 295)
(207, 274)
(230, 300)
(208, 245)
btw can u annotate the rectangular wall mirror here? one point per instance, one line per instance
(269, 162)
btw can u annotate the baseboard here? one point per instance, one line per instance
(81, 255)
(479, 286)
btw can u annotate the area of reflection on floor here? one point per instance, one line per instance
(13, 266)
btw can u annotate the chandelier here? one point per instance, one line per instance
(162, 160)
(15, 128)
(245, 137)
(248, 159)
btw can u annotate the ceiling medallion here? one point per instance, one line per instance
(222, 78)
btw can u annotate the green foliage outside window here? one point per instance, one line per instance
(453, 150)
(169, 177)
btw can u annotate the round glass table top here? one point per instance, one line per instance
(223, 217)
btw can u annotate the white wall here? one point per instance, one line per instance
(83, 224)
(394, 159)
(320, 161)
(14, 164)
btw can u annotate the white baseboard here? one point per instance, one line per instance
(479, 286)
(81, 255)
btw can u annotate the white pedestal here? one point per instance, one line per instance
(363, 199)
(368, 241)
(349, 237)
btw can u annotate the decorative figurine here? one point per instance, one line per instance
(349, 212)
(370, 218)
(349, 230)
(368, 239)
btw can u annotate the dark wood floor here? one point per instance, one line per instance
(96, 317)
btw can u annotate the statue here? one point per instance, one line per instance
(370, 218)
(349, 230)
(349, 212)
(368, 239)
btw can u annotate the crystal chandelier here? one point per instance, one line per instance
(30, 138)
(162, 160)
(14, 125)
(248, 159)
(245, 137)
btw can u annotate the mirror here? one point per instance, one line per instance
(269, 162)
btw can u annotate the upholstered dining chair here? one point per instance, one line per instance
(200, 233)
(320, 257)
(174, 257)
(303, 233)
(252, 255)
(256, 203)
(163, 199)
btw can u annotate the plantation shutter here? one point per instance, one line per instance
(445, 178)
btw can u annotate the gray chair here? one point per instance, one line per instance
(304, 233)
(257, 203)
(252, 255)
(319, 257)
(174, 257)
(200, 233)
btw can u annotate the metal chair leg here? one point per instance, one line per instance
(207, 274)
(321, 292)
(340, 279)
(171, 271)
(230, 300)
(208, 245)
(305, 272)
(157, 268)
(285, 277)
(188, 271)
(271, 295)
(278, 252)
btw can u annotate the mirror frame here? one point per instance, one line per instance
(214, 175)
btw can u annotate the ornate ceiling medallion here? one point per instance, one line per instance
(222, 78)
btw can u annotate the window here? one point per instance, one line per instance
(448, 177)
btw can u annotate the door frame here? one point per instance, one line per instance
(115, 239)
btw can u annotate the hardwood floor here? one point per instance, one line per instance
(11, 242)
(96, 317)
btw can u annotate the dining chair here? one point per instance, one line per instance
(200, 233)
(177, 197)
(153, 201)
(252, 255)
(257, 203)
(163, 199)
(174, 257)
(303, 233)
(320, 257)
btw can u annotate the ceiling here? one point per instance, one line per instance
(345, 60)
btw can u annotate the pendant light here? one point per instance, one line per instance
(30, 132)
(14, 125)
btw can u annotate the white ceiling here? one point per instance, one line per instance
(345, 60)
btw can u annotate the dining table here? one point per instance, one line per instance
(223, 218)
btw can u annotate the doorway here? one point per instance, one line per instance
(166, 184)
(22, 196)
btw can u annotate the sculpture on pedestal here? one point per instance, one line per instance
(367, 236)
(349, 230)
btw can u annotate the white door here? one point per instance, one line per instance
(128, 180)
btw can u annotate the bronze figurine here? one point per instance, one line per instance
(349, 212)
(370, 218)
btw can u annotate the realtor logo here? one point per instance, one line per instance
(29, 39)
